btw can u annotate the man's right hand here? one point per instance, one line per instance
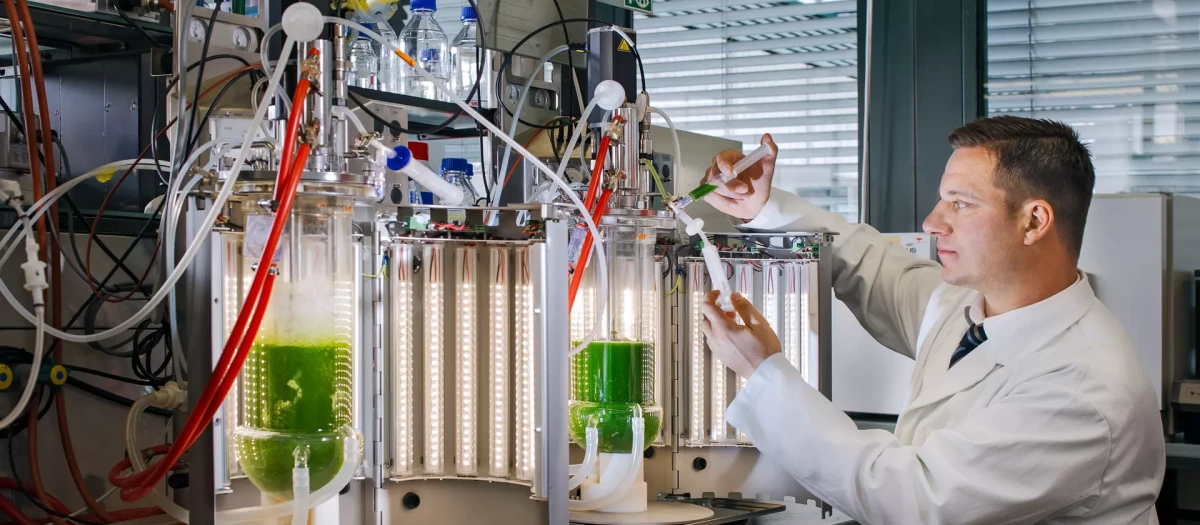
(745, 196)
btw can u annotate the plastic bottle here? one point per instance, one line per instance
(423, 39)
(465, 57)
(459, 172)
(390, 66)
(364, 63)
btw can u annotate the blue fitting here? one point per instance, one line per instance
(423, 5)
(468, 13)
(453, 164)
(403, 156)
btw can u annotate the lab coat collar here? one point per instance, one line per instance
(1016, 334)
(1010, 337)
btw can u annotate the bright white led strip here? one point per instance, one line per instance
(465, 387)
(791, 317)
(523, 313)
(801, 285)
(696, 351)
(400, 268)
(743, 284)
(770, 296)
(498, 372)
(719, 429)
(233, 303)
(435, 424)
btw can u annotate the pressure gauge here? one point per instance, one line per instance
(197, 28)
(243, 39)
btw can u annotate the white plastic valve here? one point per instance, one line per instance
(303, 22)
(609, 95)
(403, 162)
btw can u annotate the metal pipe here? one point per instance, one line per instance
(864, 183)
(632, 187)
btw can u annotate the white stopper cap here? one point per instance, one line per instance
(303, 22)
(609, 94)
(696, 226)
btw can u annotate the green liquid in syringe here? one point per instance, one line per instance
(701, 191)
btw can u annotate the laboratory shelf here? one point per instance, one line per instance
(426, 114)
(78, 29)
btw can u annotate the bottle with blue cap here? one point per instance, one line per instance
(423, 39)
(459, 172)
(465, 59)
(364, 63)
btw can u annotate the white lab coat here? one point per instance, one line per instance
(1051, 420)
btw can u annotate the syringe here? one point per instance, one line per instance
(721, 179)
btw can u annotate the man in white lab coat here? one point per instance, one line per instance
(1028, 403)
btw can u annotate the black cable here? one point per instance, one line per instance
(12, 461)
(109, 396)
(162, 177)
(70, 202)
(570, 52)
(22, 423)
(212, 23)
(508, 60)
(140, 29)
(396, 128)
(100, 373)
(212, 107)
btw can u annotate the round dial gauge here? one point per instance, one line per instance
(197, 29)
(243, 39)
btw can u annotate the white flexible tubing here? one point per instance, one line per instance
(512, 128)
(300, 491)
(597, 243)
(628, 477)
(330, 490)
(348, 114)
(178, 202)
(39, 347)
(589, 458)
(449, 194)
(134, 452)
(174, 208)
(674, 136)
(583, 210)
(193, 249)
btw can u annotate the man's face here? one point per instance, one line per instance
(977, 235)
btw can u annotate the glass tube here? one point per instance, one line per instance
(298, 375)
(743, 283)
(791, 316)
(614, 376)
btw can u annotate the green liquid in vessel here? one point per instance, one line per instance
(296, 394)
(608, 382)
(701, 191)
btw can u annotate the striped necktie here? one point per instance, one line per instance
(974, 337)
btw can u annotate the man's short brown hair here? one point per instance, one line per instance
(1038, 159)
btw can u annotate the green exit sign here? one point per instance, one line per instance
(644, 6)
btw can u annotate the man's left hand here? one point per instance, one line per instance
(742, 347)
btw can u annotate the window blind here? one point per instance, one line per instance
(737, 69)
(1124, 73)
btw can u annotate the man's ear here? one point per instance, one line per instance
(1037, 219)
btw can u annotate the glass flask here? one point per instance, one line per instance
(298, 376)
(615, 373)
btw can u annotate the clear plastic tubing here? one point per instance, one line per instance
(722, 178)
(541, 166)
(193, 249)
(512, 128)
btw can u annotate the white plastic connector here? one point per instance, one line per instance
(609, 95)
(35, 272)
(303, 22)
